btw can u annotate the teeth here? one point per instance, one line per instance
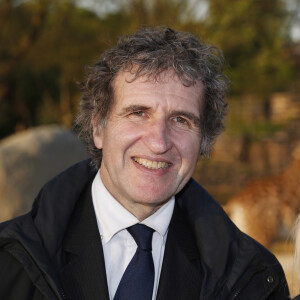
(154, 165)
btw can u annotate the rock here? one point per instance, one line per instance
(28, 160)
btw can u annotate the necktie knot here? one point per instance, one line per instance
(142, 235)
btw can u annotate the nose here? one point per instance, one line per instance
(157, 137)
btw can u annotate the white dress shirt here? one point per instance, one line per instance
(118, 245)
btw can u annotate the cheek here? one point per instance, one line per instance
(189, 147)
(121, 137)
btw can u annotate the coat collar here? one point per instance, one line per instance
(83, 253)
(181, 253)
(229, 258)
(54, 205)
(217, 238)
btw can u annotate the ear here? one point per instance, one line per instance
(97, 133)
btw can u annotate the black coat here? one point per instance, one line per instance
(226, 263)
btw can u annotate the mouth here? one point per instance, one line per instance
(150, 164)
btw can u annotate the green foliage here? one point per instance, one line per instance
(44, 47)
(252, 34)
(256, 130)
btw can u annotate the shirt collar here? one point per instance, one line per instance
(112, 217)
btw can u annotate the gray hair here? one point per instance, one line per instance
(151, 51)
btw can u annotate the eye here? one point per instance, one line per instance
(139, 113)
(180, 120)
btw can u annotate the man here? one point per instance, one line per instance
(131, 223)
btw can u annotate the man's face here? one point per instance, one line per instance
(151, 141)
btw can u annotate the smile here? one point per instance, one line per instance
(150, 164)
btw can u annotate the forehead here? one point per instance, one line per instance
(167, 83)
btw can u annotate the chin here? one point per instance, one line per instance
(157, 201)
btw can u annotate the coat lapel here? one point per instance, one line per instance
(84, 275)
(180, 276)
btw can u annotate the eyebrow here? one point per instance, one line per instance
(188, 115)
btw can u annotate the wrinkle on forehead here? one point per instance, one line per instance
(168, 83)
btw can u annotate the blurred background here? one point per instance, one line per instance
(46, 44)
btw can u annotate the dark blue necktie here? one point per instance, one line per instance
(138, 278)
